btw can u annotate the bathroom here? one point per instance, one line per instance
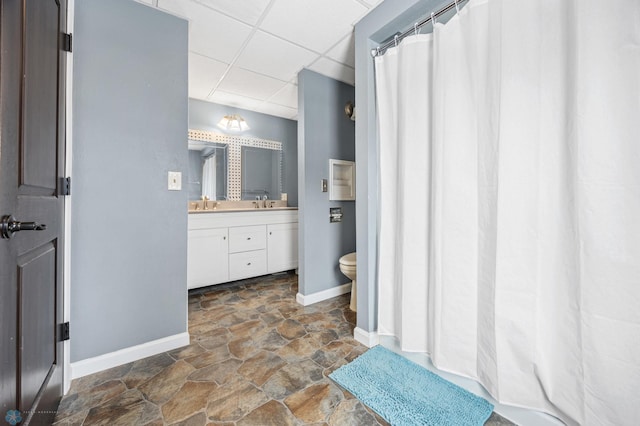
(142, 296)
(128, 236)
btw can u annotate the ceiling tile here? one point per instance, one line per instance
(344, 52)
(231, 99)
(274, 57)
(204, 74)
(277, 110)
(248, 83)
(287, 96)
(335, 70)
(248, 11)
(210, 33)
(314, 24)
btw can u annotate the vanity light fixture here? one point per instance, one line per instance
(233, 123)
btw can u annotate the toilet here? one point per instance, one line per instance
(348, 268)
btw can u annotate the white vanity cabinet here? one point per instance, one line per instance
(228, 246)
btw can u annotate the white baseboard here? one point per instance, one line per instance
(367, 338)
(66, 373)
(123, 356)
(312, 298)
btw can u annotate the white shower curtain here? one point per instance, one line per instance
(509, 241)
(209, 172)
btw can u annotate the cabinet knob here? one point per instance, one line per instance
(249, 264)
(270, 233)
(224, 238)
(248, 238)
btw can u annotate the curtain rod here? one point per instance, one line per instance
(398, 38)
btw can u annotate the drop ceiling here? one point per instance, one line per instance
(247, 53)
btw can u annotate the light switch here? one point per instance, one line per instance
(175, 181)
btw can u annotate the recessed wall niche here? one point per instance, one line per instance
(342, 180)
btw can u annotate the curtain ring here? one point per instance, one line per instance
(395, 40)
(433, 19)
(457, 7)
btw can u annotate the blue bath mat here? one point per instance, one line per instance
(403, 393)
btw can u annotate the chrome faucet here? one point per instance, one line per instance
(204, 202)
(265, 197)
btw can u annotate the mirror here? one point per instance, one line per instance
(207, 170)
(226, 167)
(261, 173)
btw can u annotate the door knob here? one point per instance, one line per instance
(9, 225)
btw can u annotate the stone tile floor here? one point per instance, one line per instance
(256, 358)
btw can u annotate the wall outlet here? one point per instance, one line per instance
(175, 181)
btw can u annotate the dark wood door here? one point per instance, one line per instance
(32, 142)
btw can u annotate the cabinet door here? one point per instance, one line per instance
(282, 247)
(207, 257)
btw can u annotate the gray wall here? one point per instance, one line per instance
(129, 233)
(385, 20)
(324, 132)
(206, 115)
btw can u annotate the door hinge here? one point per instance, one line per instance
(64, 331)
(64, 188)
(67, 42)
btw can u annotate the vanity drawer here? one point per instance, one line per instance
(246, 238)
(247, 264)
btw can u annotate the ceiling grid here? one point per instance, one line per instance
(247, 54)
